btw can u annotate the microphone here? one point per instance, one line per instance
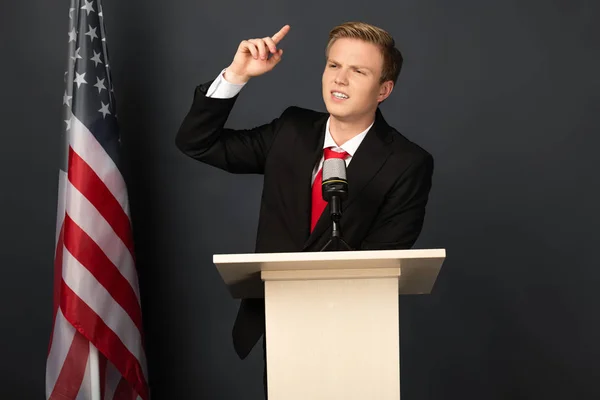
(335, 190)
(335, 185)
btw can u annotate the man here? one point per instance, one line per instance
(389, 177)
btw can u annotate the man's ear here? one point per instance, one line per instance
(385, 89)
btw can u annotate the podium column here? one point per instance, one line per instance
(332, 334)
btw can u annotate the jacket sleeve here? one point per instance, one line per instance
(202, 136)
(400, 219)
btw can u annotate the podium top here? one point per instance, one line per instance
(418, 268)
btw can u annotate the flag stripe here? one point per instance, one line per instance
(113, 377)
(124, 391)
(102, 364)
(80, 314)
(63, 333)
(57, 279)
(95, 296)
(89, 255)
(87, 217)
(85, 388)
(87, 182)
(83, 142)
(73, 369)
(60, 205)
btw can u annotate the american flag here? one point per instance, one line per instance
(96, 346)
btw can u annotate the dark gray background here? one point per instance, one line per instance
(504, 94)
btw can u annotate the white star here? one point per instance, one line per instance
(79, 79)
(96, 58)
(68, 121)
(92, 33)
(71, 13)
(66, 99)
(104, 110)
(76, 56)
(72, 35)
(100, 85)
(88, 7)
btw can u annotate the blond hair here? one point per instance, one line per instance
(392, 58)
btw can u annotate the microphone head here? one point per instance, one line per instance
(334, 179)
(334, 168)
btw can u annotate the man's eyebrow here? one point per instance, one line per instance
(351, 66)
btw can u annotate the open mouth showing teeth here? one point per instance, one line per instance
(339, 95)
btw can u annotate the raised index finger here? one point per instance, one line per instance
(281, 34)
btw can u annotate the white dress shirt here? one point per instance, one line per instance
(223, 89)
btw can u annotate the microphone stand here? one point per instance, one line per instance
(336, 243)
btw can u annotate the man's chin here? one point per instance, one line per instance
(340, 116)
(334, 111)
(335, 114)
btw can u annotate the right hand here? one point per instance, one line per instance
(252, 57)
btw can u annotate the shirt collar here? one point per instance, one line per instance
(350, 146)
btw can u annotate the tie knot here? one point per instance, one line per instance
(330, 153)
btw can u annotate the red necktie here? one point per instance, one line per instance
(318, 204)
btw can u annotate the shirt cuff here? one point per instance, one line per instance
(222, 89)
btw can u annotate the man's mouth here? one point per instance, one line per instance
(339, 95)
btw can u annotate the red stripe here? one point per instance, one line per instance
(102, 365)
(83, 177)
(73, 369)
(124, 391)
(91, 256)
(58, 259)
(84, 319)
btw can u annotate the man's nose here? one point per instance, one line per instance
(341, 77)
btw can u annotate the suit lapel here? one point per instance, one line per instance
(367, 161)
(312, 150)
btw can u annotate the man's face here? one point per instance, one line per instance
(351, 80)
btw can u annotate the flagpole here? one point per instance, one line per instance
(94, 373)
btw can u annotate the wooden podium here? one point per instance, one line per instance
(332, 322)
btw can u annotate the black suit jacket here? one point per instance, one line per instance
(389, 179)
